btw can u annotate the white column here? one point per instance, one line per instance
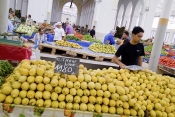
(49, 10)
(160, 33)
(134, 21)
(4, 9)
(96, 12)
(119, 21)
(78, 19)
(24, 8)
(141, 19)
(148, 21)
(126, 21)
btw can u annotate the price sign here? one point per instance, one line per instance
(67, 65)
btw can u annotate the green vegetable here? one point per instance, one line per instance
(5, 69)
(89, 38)
(72, 38)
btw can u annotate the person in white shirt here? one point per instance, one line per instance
(29, 21)
(39, 37)
(59, 32)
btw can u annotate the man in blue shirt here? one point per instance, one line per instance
(109, 38)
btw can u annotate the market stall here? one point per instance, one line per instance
(34, 89)
(97, 52)
(14, 50)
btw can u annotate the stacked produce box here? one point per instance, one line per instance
(122, 92)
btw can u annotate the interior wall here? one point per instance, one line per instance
(37, 13)
(19, 4)
(106, 20)
(12, 4)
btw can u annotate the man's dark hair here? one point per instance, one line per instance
(126, 32)
(137, 30)
(30, 16)
(93, 26)
(34, 21)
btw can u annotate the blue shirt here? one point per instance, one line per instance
(10, 26)
(109, 37)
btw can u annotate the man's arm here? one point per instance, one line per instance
(117, 61)
(142, 54)
(140, 61)
(118, 54)
(112, 40)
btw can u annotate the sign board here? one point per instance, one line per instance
(67, 65)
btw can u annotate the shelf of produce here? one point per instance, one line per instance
(167, 69)
(85, 52)
(16, 53)
(54, 48)
(28, 111)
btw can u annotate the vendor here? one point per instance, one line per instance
(59, 32)
(131, 52)
(78, 34)
(109, 38)
(39, 37)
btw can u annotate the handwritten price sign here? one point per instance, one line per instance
(67, 65)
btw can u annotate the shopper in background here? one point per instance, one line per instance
(59, 32)
(92, 32)
(69, 29)
(109, 38)
(82, 30)
(78, 34)
(125, 37)
(29, 21)
(131, 52)
(12, 14)
(64, 26)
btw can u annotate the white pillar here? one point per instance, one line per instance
(160, 33)
(24, 8)
(78, 19)
(149, 18)
(126, 21)
(4, 9)
(49, 10)
(141, 19)
(96, 12)
(119, 21)
(134, 22)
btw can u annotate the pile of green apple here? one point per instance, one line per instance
(102, 48)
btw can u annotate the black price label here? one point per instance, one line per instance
(67, 65)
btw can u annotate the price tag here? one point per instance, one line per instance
(67, 65)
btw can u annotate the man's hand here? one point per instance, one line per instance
(122, 66)
(107, 42)
(117, 61)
